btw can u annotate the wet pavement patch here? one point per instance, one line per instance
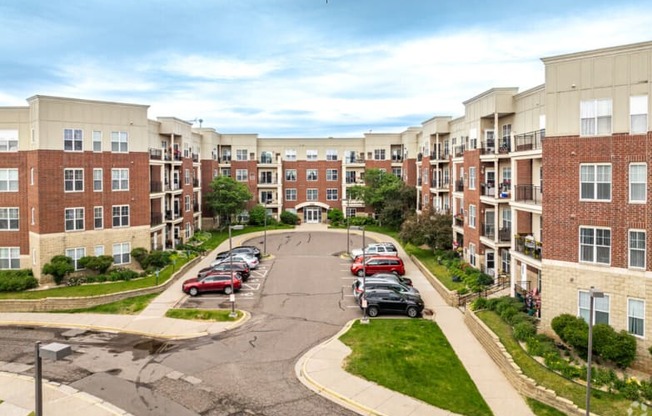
(150, 346)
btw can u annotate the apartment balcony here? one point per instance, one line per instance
(440, 185)
(529, 141)
(528, 193)
(156, 218)
(488, 189)
(173, 186)
(155, 187)
(488, 147)
(458, 220)
(459, 150)
(267, 182)
(226, 159)
(397, 159)
(155, 154)
(419, 157)
(195, 157)
(526, 244)
(195, 182)
(172, 215)
(459, 185)
(419, 181)
(265, 160)
(505, 235)
(352, 160)
(195, 207)
(489, 231)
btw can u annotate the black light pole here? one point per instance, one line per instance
(233, 314)
(53, 351)
(38, 411)
(265, 230)
(593, 293)
(365, 319)
(348, 239)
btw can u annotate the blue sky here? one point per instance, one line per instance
(297, 68)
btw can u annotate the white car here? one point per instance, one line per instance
(377, 248)
(252, 261)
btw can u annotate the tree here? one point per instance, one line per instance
(228, 198)
(335, 216)
(58, 267)
(428, 228)
(257, 215)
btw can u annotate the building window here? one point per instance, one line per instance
(636, 317)
(186, 176)
(638, 114)
(97, 141)
(120, 216)
(398, 172)
(188, 230)
(75, 254)
(226, 172)
(97, 180)
(472, 178)
(472, 216)
(73, 140)
(505, 258)
(472, 254)
(595, 182)
(186, 150)
(290, 194)
(331, 194)
(99, 251)
(9, 258)
(331, 154)
(311, 174)
(98, 215)
(122, 253)
(595, 245)
(120, 179)
(637, 249)
(266, 197)
(595, 117)
(291, 175)
(241, 154)
(265, 157)
(187, 203)
(74, 219)
(638, 182)
(311, 155)
(119, 142)
(8, 180)
(290, 155)
(73, 180)
(241, 175)
(331, 174)
(600, 308)
(379, 154)
(9, 219)
(8, 140)
(312, 194)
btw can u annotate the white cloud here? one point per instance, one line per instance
(196, 66)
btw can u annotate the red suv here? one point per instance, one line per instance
(211, 283)
(384, 264)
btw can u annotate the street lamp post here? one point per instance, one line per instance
(348, 239)
(233, 314)
(593, 293)
(53, 351)
(265, 229)
(363, 299)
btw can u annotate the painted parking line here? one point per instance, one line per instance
(250, 286)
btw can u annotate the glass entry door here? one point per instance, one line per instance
(313, 215)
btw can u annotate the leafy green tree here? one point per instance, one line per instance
(228, 197)
(59, 267)
(335, 216)
(257, 215)
(289, 218)
(99, 264)
(428, 228)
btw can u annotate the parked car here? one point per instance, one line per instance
(251, 261)
(237, 267)
(401, 279)
(387, 301)
(384, 264)
(250, 250)
(360, 285)
(387, 249)
(254, 249)
(211, 283)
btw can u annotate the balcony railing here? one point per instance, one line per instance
(505, 146)
(459, 150)
(527, 245)
(396, 159)
(156, 218)
(528, 193)
(267, 181)
(458, 220)
(195, 157)
(489, 231)
(195, 207)
(505, 234)
(439, 184)
(419, 157)
(171, 215)
(195, 182)
(225, 159)
(529, 141)
(487, 147)
(459, 185)
(488, 189)
(155, 186)
(155, 154)
(435, 156)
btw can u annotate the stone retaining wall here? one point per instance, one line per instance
(523, 384)
(450, 296)
(59, 304)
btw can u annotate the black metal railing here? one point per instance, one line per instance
(419, 157)
(459, 185)
(527, 245)
(156, 218)
(505, 234)
(489, 231)
(265, 159)
(487, 147)
(195, 207)
(529, 141)
(195, 157)
(459, 150)
(155, 186)
(195, 182)
(155, 154)
(528, 193)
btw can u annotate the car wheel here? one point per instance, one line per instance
(372, 311)
(193, 291)
(228, 290)
(360, 273)
(412, 312)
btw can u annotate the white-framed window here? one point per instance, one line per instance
(595, 182)
(8, 141)
(73, 180)
(311, 154)
(379, 154)
(637, 249)
(312, 194)
(638, 114)
(8, 180)
(188, 230)
(120, 179)
(97, 141)
(331, 154)
(73, 140)
(97, 180)
(290, 154)
(595, 117)
(240, 154)
(266, 197)
(98, 217)
(265, 157)
(9, 258)
(187, 203)
(595, 245)
(186, 176)
(9, 220)
(119, 142)
(291, 175)
(99, 251)
(74, 219)
(311, 174)
(122, 253)
(186, 150)
(75, 254)
(473, 139)
(505, 260)
(120, 214)
(472, 254)
(291, 194)
(472, 216)
(226, 172)
(600, 307)
(398, 172)
(332, 194)
(241, 175)
(331, 174)
(636, 317)
(637, 182)
(472, 178)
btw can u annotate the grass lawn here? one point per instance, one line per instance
(429, 260)
(541, 409)
(218, 315)
(129, 306)
(413, 357)
(602, 403)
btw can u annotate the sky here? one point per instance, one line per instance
(298, 68)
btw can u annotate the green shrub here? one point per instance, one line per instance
(257, 215)
(289, 218)
(602, 376)
(646, 390)
(335, 216)
(122, 274)
(158, 259)
(630, 390)
(507, 313)
(618, 347)
(99, 264)
(573, 330)
(17, 280)
(59, 267)
(524, 330)
(479, 303)
(540, 344)
(560, 322)
(140, 254)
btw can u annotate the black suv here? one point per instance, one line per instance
(387, 301)
(241, 269)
